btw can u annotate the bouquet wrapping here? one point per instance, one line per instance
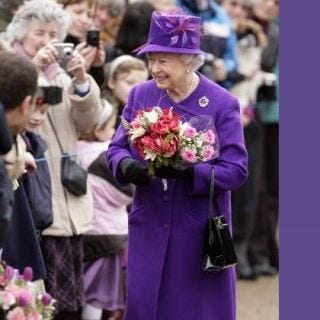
(163, 139)
(22, 299)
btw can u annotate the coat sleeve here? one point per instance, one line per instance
(107, 193)
(119, 147)
(85, 110)
(231, 165)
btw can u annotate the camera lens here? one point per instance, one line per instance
(67, 51)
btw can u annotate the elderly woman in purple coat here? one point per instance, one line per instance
(167, 225)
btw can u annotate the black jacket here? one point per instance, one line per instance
(37, 185)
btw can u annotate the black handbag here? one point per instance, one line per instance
(73, 176)
(219, 252)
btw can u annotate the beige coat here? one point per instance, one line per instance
(72, 214)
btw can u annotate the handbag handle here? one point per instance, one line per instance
(212, 203)
(55, 133)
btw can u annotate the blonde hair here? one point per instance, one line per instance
(119, 67)
(105, 116)
(123, 65)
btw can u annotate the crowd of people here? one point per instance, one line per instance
(126, 247)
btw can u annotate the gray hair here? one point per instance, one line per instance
(195, 61)
(41, 10)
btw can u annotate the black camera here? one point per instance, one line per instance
(267, 92)
(93, 37)
(49, 95)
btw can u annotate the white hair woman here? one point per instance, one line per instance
(36, 26)
(167, 225)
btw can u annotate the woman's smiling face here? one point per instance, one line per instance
(167, 69)
(38, 35)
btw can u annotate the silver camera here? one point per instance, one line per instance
(64, 52)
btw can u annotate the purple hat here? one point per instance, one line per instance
(173, 33)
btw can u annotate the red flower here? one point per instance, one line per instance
(170, 147)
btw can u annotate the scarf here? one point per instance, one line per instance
(49, 71)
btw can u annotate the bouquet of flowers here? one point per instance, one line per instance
(22, 299)
(163, 139)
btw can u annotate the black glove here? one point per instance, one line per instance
(135, 172)
(169, 172)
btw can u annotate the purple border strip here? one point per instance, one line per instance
(299, 160)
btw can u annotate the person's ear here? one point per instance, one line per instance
(27, 105)
(111, 84)
(97, 132)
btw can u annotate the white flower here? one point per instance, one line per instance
(149, 155)
(137, 132)
(152, 116)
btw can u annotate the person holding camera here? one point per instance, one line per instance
(36, 26)
(86, 38)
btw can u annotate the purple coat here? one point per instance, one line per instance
(166, 228)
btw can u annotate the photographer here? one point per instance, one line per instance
(86, 41)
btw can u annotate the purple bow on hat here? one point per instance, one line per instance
(181, 28)
(174, 32)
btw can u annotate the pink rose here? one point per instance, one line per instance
(207, 153)
(16, 314)
(14, 289)
(190, 132)
(189, 155)
(209, 136)
(7, 299)
(3, 280)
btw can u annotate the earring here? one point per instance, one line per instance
(188, 71)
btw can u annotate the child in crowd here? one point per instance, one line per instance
(38, 184)
(122, 74)
(105, 245)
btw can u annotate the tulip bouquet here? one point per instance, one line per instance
(163, 139)
(22, 299)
